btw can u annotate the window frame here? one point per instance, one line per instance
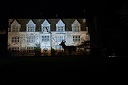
(15, 39)
(45, 38)
(60, 38)
(76, 28)
(76, 38)
(31, 39)
(15, 49)
(30, 49)
(30, 28)
(14, 29)
(60, 29)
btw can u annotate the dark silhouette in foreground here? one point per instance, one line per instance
(68, 49)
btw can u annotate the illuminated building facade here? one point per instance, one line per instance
(25, 34)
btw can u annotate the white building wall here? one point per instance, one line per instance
(38, 39)
(10, 35)
(36, 34)
(52, 43)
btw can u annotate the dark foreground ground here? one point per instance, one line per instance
(62, 70)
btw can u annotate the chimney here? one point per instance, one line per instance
(87, 29)
(84, 20)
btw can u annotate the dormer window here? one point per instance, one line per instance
(15, 29)
(76, 29)
(45, 29)
(45, 26)
(30, 26)
(60, 29)
(31, 29)
(76, 26)
(15, 26)
(60, 26)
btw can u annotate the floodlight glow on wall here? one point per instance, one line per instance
(42, 37)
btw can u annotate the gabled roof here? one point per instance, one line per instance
(14, 22)
(46, 23)
(52, 22)
(31, 23)
(60, 23)
(76, 23)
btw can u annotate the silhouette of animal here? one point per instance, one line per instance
(68, 49)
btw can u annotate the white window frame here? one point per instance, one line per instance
(45, 27)
(59, 38)
(60, 29)
(15, 49)
(30, 29)
(15, 39)
(45, 38)
(76, 28)
(30, 39)
(76, 38)
(14, 29)
(30, 49)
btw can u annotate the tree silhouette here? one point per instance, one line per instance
(53, 52)
(37, 50)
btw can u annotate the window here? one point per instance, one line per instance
(45, 29)
(31, 29)
(30, 39)
(76, 38)
(60, 38)
(15, 39)
(60, 29)
(75, 29)
(30, 49)
(15, 29)
(14, 49)
(45, 38)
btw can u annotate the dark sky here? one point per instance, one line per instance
(65, 7)
(107, 11)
